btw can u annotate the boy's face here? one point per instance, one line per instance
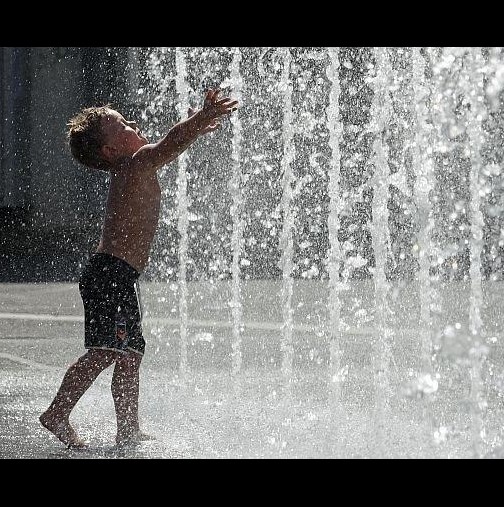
(122, 138)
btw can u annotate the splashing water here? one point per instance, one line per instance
(334, 257)
(348, 218)
(183, 218)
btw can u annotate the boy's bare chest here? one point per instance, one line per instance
(138, 195)
(142, 189)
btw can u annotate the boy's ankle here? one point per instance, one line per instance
(133, 437)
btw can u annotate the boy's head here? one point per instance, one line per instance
(99, 137)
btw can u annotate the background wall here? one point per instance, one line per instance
(50, 206)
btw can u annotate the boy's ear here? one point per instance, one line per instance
(108, 151)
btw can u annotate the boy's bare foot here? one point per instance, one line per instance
(63, 431)
(133, 439)
(143, 437)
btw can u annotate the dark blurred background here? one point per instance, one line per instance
(50, 207)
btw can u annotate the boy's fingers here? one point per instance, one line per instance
(212, 95)
(223, 101)
(208, 96)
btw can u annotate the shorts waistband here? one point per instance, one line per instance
(101, 259)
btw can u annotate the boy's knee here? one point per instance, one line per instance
(99, 358)
(130, 359)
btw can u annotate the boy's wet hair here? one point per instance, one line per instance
(85, 136)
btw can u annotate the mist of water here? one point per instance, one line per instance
(182, 206)
(343, 166)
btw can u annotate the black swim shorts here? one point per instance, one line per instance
(112, 309)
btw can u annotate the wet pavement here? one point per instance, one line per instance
(261, 411)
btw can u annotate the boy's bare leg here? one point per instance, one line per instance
(77, 380)
(125, 391)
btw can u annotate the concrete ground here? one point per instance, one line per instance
(264, 410)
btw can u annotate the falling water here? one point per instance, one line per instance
(475, 116)
(423, 169)
(381, 113)
(436, 141)
(182, 206)
(235, 187)
(286, 238)
(436, 146)
(424, 184)
(334, 259)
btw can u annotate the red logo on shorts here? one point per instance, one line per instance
(121, 332)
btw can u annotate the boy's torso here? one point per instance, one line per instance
(131, 217)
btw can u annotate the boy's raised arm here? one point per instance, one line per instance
(184, 133)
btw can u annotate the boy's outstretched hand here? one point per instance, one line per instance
(185, 132)
(213, 108)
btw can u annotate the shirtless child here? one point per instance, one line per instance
(100, 138)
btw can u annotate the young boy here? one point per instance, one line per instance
(100, 138)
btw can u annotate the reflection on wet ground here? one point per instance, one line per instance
(263, 411)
